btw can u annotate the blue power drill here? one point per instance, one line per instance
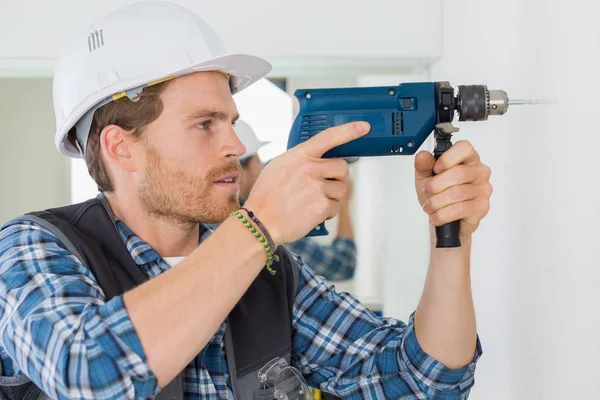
(401, 118)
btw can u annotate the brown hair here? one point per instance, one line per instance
(132, 116)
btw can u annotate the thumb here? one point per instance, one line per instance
(424, 162)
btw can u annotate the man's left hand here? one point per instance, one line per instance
(460, 189)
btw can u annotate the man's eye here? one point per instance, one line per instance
(204, 125)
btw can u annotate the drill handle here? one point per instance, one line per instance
(447, 235)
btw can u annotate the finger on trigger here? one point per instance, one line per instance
(335, 190)
(332, 137)
(334, 209)
(335, 168)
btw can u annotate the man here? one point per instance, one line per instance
(334, 262)
(130, 294)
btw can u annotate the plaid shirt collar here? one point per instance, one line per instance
(141, 252)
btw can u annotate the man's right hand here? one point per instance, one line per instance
(349, 192)
(298, 190)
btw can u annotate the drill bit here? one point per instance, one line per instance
(520, 102)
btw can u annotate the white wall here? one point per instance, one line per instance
(298, 37)
(535, 268)
(33, 175)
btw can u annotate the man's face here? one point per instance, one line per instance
(250, 174)
(190, 152)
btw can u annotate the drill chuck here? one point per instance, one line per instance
(477, 103)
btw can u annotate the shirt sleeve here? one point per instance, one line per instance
(335, 262)
(343, 348)
(57, 328)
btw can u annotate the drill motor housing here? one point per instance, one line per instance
(401, 119)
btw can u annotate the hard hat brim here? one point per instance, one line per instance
(244, 70)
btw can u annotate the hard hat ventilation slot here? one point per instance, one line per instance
(95, 40)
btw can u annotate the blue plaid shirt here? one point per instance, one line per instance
(57, 329)
(336, 262)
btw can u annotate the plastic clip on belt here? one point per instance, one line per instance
(285, 381)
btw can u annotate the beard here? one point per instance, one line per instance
(183, 197)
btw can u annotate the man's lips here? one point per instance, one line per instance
(229, 182)
(230, 178)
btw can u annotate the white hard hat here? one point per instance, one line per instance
(247, 136)
(133, 47)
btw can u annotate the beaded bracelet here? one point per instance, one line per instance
(271, 257)
(261, 227)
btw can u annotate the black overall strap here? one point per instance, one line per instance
(259, 328)
(88, 231)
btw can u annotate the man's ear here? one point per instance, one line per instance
(116, 147)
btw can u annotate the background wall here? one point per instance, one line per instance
(535, 269)
(297, 37)
(31, 176)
